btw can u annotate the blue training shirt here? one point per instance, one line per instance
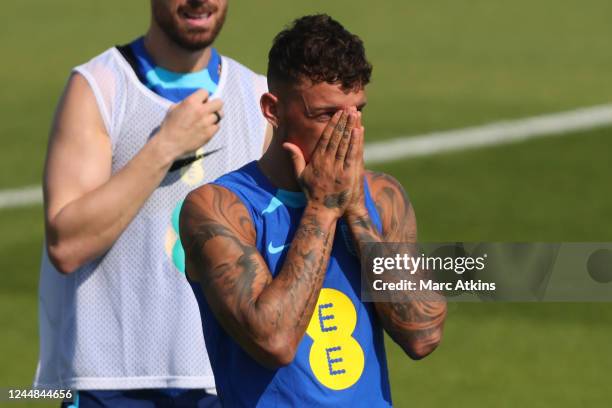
(341, 360)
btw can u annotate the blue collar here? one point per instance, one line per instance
(175, 86)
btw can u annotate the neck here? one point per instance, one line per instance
(276, 164)
(170, 56)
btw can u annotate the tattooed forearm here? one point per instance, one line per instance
(413, 320)
(301, 276)
(414, 323)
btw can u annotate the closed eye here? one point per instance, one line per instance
(324, 116)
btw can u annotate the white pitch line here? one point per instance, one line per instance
(428, 144)
(488, 135)
(20, 197)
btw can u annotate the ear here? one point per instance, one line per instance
(269, 108)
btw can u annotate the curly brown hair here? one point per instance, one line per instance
(320, 49)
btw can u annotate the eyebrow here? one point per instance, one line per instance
(330, 108)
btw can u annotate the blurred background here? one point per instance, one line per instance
(438, 65)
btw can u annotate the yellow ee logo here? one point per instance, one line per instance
(336, 358)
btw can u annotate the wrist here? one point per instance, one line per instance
(164, 152)
(324, 216)
(362, 226)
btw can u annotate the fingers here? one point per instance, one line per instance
(327, 132)
(218, 115)
(209, 119)
(346, 136)
(199, 110)
(355, 150)
(361, 143)
(213, 105)
(336, 136)
(199, 96)
(208, 124)
(203, 105)
(299, 163)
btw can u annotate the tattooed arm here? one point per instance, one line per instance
(268, 316)
(415, 324)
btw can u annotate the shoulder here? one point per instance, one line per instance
(102, 67)
(212, 201)
(393, 206)
(259, 81)
(235, 65)
(107, 55)
(382, 184)
(79, 84)
(212, 205)
(108, 77)
(78, 114)
(212, 218)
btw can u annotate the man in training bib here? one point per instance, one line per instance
(272, 248)
(137, 128)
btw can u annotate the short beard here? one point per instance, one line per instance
(165, 21)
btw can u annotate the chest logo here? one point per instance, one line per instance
(172, 243)
(186, 161)
(336, 358)
(276, 249)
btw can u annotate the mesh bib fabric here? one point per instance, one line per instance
(129, 319)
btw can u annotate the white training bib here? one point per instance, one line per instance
(129, 319)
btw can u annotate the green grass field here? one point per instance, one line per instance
(437, 65)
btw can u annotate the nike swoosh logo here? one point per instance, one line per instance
(275, 250)
(180, 163)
